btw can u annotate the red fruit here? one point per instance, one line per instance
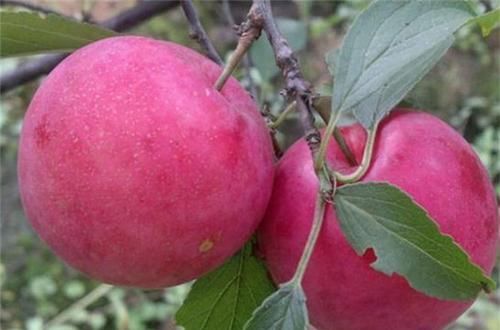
(135, 170)
(426, 158)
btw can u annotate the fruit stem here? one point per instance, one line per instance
(319, 215)
(365, 162)
(233, 62)
(323, 107)
(319, 162)
(249, 31)
(349, 155)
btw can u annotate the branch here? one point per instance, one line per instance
(28, 71)
(143, 11)
(30, 6)
(35, 68)
(296, 87)
(198, 32)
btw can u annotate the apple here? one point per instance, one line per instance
(424, 157)
(135, 170)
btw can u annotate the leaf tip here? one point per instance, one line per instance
(488, 286)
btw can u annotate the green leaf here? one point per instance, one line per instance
(331, 58)
(488, 21)
(406, 241)
(225, 298)
(28, 33)
(388, 49)
(262, 54)
(283, 310)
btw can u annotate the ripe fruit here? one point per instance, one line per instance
(424, 157)
(135, 170)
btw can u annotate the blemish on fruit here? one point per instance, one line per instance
(206, 245)
(42, 134)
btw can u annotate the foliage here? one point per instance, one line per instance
(31, 33)
(402, 235)
(388, 49)
(284, 309)
(225, 298)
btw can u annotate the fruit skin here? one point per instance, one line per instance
(135, 170)
(426, 158)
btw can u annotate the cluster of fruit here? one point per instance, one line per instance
(137, 172)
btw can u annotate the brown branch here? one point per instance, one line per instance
(28, 71)
(296, 87)
(197, 32)
(125, 20)
(30, 6)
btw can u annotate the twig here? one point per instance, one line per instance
(28, 71)
(226, 7)
(29, 5)
(249, 31)
(123, 21)
(198, 32)
(282, 116)
(297, 88)
(82, 303)
(143, 11)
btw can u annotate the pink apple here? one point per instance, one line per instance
(426, 158)
(135, 170)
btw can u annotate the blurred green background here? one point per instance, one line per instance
(40, 292)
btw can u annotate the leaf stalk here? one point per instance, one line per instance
(365, 162)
